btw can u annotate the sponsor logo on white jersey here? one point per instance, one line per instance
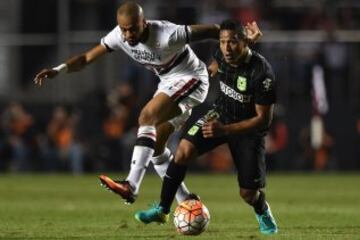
(143, 55)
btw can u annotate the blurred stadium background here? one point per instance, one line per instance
(86, 121)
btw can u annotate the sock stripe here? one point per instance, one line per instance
(145, 142)
(148, 135)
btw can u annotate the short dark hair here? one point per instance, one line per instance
(234, 25)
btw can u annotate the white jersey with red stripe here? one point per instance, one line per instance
(165, 44)
(166, 52)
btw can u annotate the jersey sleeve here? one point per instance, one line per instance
(265, 88)
(112, 40)
(179, 35)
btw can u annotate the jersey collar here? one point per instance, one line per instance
(249, 55)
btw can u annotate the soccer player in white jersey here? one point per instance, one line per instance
(161, 47)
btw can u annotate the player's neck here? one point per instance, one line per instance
(242, 57)
(145, 34)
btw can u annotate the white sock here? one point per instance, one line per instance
(143, 151)
(161, 163)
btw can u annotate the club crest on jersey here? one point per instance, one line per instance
(193, 130)
(241, 83)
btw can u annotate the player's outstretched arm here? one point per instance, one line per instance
(202, 32)
(73, 64)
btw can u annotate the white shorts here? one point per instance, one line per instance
(187, 92)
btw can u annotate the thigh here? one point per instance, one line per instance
(162, 108)
(187, 92)
(248, 153)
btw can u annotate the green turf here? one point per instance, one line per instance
(66, 207)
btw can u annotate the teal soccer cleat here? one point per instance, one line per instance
(154, 214)
(267, 222)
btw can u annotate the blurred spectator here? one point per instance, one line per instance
(16, 126)
(335, 68)
(323, 155)
(114, 128)
(275, 142)
(122, 94)
(316, 143)
(121, 104)
(319, 157)
(62, 151)
(321, 141)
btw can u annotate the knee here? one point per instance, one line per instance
(147, 117)
(185, 153)
(248, 195)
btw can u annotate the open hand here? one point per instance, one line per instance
(44, 74)
(253, 33)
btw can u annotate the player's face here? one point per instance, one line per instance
(132, 29)
(231, 46)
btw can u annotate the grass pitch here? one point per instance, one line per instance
(306, 206)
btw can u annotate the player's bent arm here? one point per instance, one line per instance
(202, 32)
(263, 118)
